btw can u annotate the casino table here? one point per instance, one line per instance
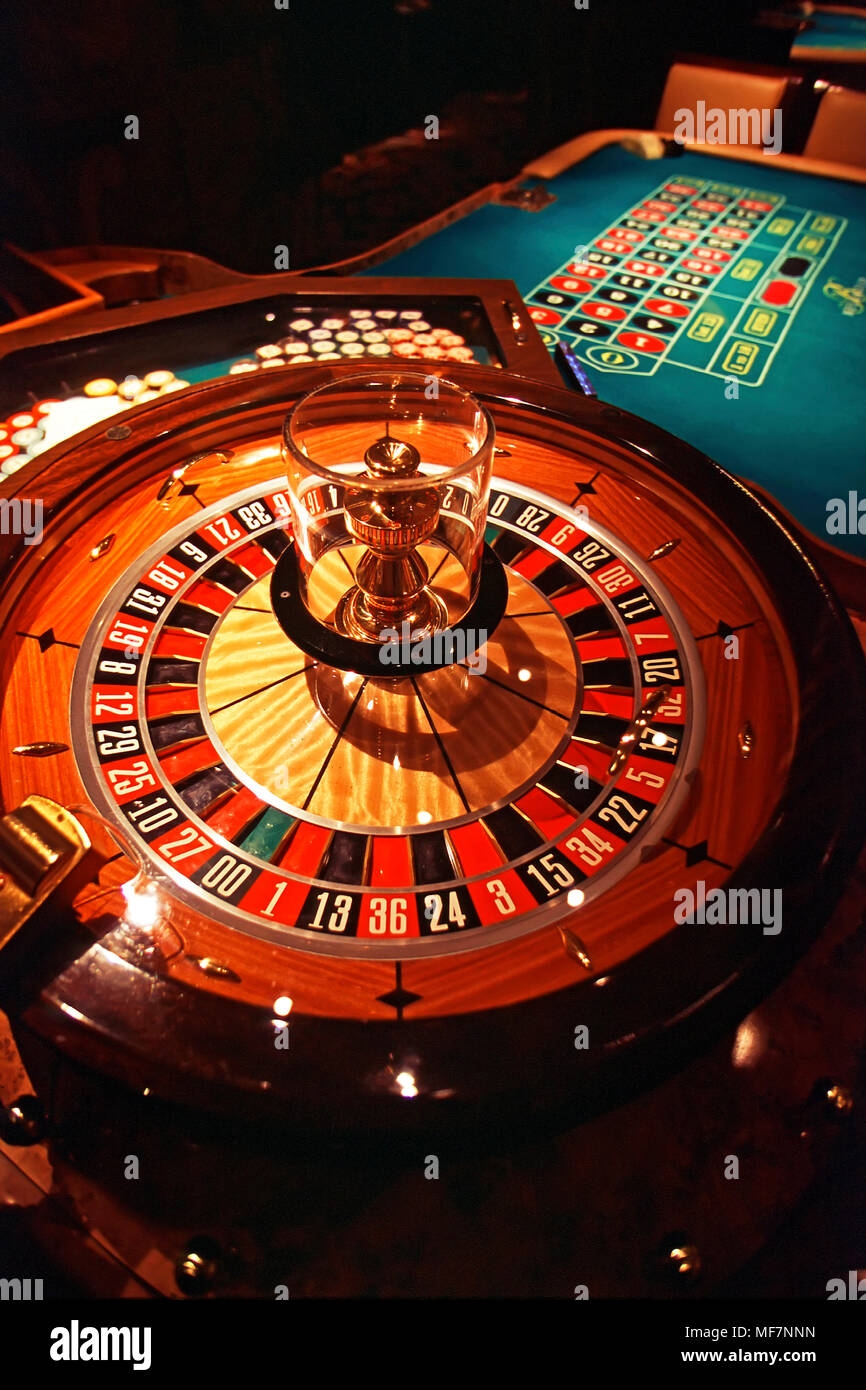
(718, 293)
(830, 35)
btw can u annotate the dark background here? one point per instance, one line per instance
(304, 127)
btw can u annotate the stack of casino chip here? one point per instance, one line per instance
(313, 335)
(134, 390)
(39, 426)
(317, 335)
(22, 436)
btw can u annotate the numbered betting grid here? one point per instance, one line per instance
(701, 275)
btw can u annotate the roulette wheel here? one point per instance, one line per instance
(401, 756)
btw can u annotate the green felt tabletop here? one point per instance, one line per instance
(827, 30)
(772, 388)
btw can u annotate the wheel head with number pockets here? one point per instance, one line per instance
(431, 881)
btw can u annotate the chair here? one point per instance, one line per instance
(726, 88)
(839, 129)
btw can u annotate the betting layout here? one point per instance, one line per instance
(700, 275)
(345, 814)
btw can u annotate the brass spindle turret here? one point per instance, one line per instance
(392, 577)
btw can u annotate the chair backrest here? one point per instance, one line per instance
(839, 129)
(728, 89)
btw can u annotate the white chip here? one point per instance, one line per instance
(411, 314)
(379, 350)
(317, 333)
(364, 324)
(374, 337)
(24, 440)
(333, 324)
(352, 349)
(359, 313)
(301, 325)
(347, 335)
(78, 413)
(326, 346)
(11, 465)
